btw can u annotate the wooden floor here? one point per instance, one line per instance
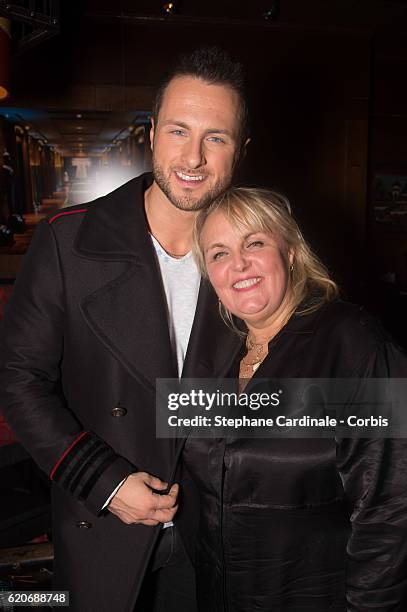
(11, 257)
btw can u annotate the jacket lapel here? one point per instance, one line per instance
(212, 345)
(127, 314)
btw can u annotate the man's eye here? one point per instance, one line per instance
(216, 139)
(178, 132)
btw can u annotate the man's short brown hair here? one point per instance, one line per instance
(215, 66)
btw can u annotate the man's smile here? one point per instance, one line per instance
(190, 180)
(190, 177)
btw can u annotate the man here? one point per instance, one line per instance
(107, 302)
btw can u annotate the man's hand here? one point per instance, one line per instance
(136, 502)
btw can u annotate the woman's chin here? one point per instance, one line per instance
(251, 312)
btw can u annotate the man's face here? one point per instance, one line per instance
(195, 142)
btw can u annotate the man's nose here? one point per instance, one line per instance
(193, 154)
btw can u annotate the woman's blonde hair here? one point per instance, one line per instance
(268, 211)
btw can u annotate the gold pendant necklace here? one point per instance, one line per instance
(250, 366)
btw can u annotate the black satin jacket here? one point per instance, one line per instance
(312, 525)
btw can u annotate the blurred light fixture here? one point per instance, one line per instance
(170, 8)
(78, 116)
(272, 13)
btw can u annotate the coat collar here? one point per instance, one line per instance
(115, 227)
(302, 323)
(128, 314)
(296, 324)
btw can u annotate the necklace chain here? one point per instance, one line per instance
(175, 255)
(249, 366)
(260, 351)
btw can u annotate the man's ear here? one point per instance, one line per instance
(241, 154)
(152, 133)
(244, 148)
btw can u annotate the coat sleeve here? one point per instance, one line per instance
(374, 475)
(31, 397)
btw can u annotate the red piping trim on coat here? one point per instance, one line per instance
(69, 212)
(84, 433)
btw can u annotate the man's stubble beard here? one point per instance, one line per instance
(186, 202)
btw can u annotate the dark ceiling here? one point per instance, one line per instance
(83, 88)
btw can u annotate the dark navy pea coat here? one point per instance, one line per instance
(83, 341)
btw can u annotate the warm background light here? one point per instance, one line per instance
(4, 93)
(4, 57)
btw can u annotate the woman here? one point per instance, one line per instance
(294, 524)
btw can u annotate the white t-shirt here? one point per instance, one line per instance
(181, 281)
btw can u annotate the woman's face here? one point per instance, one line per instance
(248, 270)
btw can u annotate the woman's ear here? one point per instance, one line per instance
(291, 256)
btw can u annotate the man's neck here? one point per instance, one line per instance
(169, 225)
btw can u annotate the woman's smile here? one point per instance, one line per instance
(247, 284)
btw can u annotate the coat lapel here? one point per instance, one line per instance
(127, 314)
(212, 345)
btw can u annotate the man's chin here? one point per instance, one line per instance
(186, 194)
(189, 200)
(188, 204)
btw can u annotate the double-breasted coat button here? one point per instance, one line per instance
(84, 525)
(118, 411)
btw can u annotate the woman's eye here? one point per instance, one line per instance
(256, 243)
(218, 255)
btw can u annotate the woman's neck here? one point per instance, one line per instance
(262, 331)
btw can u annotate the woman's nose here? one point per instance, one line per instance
(240, 261)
